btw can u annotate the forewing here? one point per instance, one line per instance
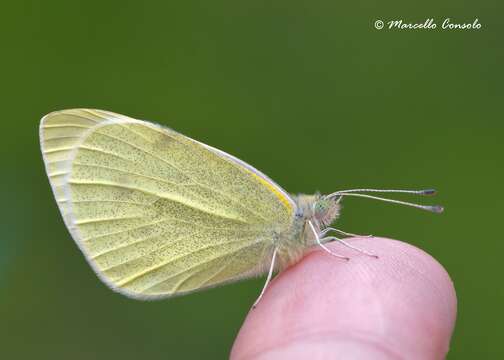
(155, 212)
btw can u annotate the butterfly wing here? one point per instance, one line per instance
(156, 213)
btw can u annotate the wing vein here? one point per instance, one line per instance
(89, 148)
(92, 221)
(109, 201)
(235, 201)
(163, 264)
(137, 241)
(159, 222)
(60, 137)
(128, 172)
(212, 276)
(58, 150)
(185, 185)
(124, 231)
(83, 117)
(190, 268)
(162, 196)
(53, 126)
(142, 150)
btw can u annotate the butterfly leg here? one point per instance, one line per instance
(334, 238)
(326, 230)
(268, 279)
(317, 238)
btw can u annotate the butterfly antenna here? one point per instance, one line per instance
(358, 193)
(426, 192)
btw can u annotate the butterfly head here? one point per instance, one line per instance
(326, 210)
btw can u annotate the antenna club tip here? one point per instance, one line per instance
(429, 192)
(437, 209)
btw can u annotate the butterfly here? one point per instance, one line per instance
(158, 214)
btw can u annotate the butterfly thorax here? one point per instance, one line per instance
(299, 238)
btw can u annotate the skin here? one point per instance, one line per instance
(400, 306)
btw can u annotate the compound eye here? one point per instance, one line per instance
(320, 207)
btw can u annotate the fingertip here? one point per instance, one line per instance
(402, 303)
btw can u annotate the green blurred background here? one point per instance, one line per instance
(308, 92)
